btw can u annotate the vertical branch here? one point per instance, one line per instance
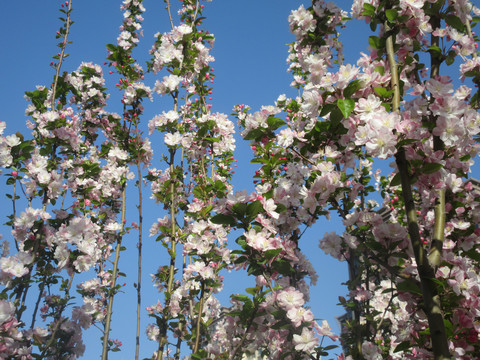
(14, 208)
(139, 279)
(62, 53)
(111, 295)
(430, 295)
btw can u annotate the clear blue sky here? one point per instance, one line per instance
(250, 68)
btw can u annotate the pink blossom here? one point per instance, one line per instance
(173, 139)
(325, 330)
(290, 298)
(306, 341)
(7, 309)
(371, 351)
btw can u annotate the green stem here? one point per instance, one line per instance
(199, 319)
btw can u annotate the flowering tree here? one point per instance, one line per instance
(413, 289)
(393, 104)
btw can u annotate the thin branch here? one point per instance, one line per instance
(169, 13)
(58, 317)
(172, 252)
(111, 296)
(37, 303)
(199, 319)
(435, 255)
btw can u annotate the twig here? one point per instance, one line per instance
(62, 54)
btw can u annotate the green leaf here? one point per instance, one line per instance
(374, 42)
(242, 298)
(368, 10)
(380, 70)
(254, 134)
(335, 117)
(220, 186)
(391, 14)
(368, 7)
(475, 100)
(283, 267)
(258, 160)
(242, 242)
(346, 106)
(406, 142)
(435, 49)
(274, 122)
(330, 347)
(247, 311)
(409, 286)
(382, 92)
(251, 291)
(455, 22)
(212, 139)
(240, 208)
(281, 208)
(327, 108)
(222, 219)
(374, 245)
(430, 168)
(450, 59)
(448, 327)
(352, 88)
(253, 209)
(404, 345)
(396, 180)
(270, 254)
(473, 254)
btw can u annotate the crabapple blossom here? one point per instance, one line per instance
(306, 341)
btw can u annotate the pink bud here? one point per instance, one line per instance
(14, 173)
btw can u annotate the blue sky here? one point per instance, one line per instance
(250, 68)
